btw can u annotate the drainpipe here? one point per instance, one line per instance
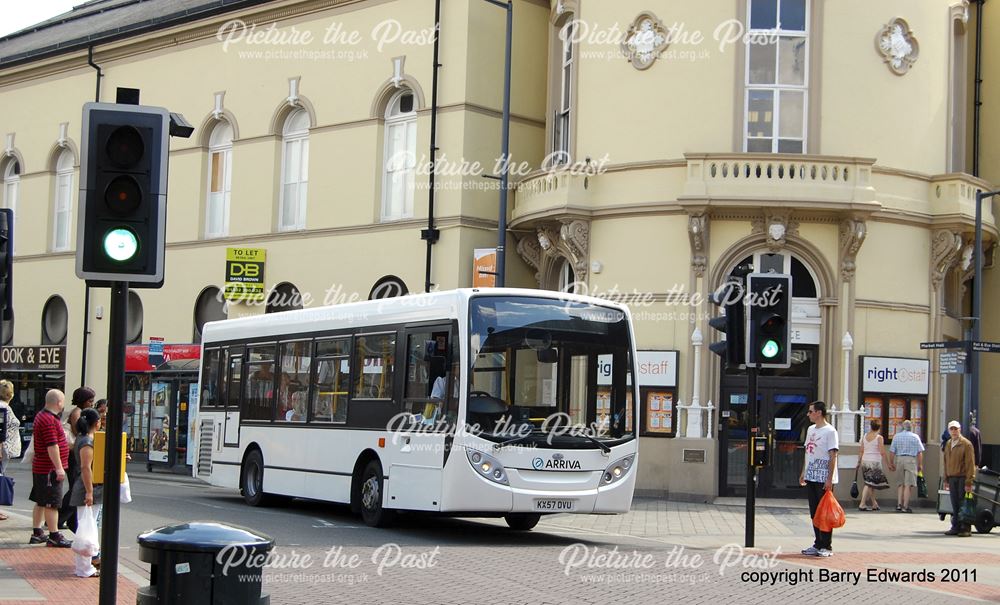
(431, 234)
(86, 290)
(978, 102)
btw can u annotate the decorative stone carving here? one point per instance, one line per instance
(898, 47)
(852, 234)
(645, 39)
(945, 247)
(776, 225)
(698, 235)
(552, 244)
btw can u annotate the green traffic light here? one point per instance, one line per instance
(770, 349)
(121, 244)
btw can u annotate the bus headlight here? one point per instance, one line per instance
(487, 466)
(617, 470)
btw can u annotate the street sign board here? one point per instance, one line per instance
(952, 362)
(986, 347)
(946, 344)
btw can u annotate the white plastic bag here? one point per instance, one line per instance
(85, 542)
(125, 491)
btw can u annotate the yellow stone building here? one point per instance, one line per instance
(655, 147)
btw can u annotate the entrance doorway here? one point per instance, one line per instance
(783, 396)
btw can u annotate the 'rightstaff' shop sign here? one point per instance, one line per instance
(895, 375)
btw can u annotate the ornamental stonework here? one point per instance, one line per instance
(645, 40)
(897, 45)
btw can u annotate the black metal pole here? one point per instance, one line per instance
(751, 469)
(971, 406)
(505, 153)
(978, 100)
(431, 234)
(113, 443)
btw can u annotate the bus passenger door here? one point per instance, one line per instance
(231, 430)
(430, 399)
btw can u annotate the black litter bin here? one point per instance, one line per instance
(203, 563)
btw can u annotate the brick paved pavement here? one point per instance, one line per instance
(646, 556)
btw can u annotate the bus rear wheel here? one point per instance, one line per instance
(252, 479)
(372, 486)
(522, 521)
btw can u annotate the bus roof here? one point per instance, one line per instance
(448, 304)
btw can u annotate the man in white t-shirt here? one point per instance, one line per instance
(819, 471)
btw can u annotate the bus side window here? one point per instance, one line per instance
(210, 379)
(331, 380)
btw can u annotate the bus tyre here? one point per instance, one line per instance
(252, 479)
(372, 493)
(522, 521)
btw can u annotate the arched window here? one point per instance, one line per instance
(567, 277)
(284, 297)
(11, 174)
(294, 171)
(133, 330)
(208, 307)
(400, 157)
(63, 204)
(55, 321)
(220, 169)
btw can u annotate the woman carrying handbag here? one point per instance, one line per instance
(10, 443)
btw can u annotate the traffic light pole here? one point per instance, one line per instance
(113, 443)
(751, 468)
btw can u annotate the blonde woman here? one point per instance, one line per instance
(873, 453)
(10, 435)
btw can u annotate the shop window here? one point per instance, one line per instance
(776, 77)
(259, 395)
(293, 383)
(892, 410)
(220, 169)
(63, 204)
(133, 329)
(659, 411)
(294, 171)
(400, 161)
(330, 386)
(374, 358)
(55, 321)
(208, 307)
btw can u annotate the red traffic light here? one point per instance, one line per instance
(123, 195)
(125, 147)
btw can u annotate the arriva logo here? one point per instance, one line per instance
(556, 464)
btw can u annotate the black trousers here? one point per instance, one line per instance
(956, 485)
(824, 539)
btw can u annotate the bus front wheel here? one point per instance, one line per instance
(522, 521)
(372, 486)
(252, 479)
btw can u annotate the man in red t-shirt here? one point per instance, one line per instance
(48, 471)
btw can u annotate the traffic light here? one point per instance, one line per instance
(6, 265)
(729, 297)
(769, 304)
(123, 193)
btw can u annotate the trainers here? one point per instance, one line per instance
(964, 534)
(58, 540)
(907, 510)
(899, 508)
(37, 537)
(824, 552)
(952, 532)
(812, 551)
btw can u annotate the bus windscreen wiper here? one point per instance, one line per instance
(604, 448)
(514, 440)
